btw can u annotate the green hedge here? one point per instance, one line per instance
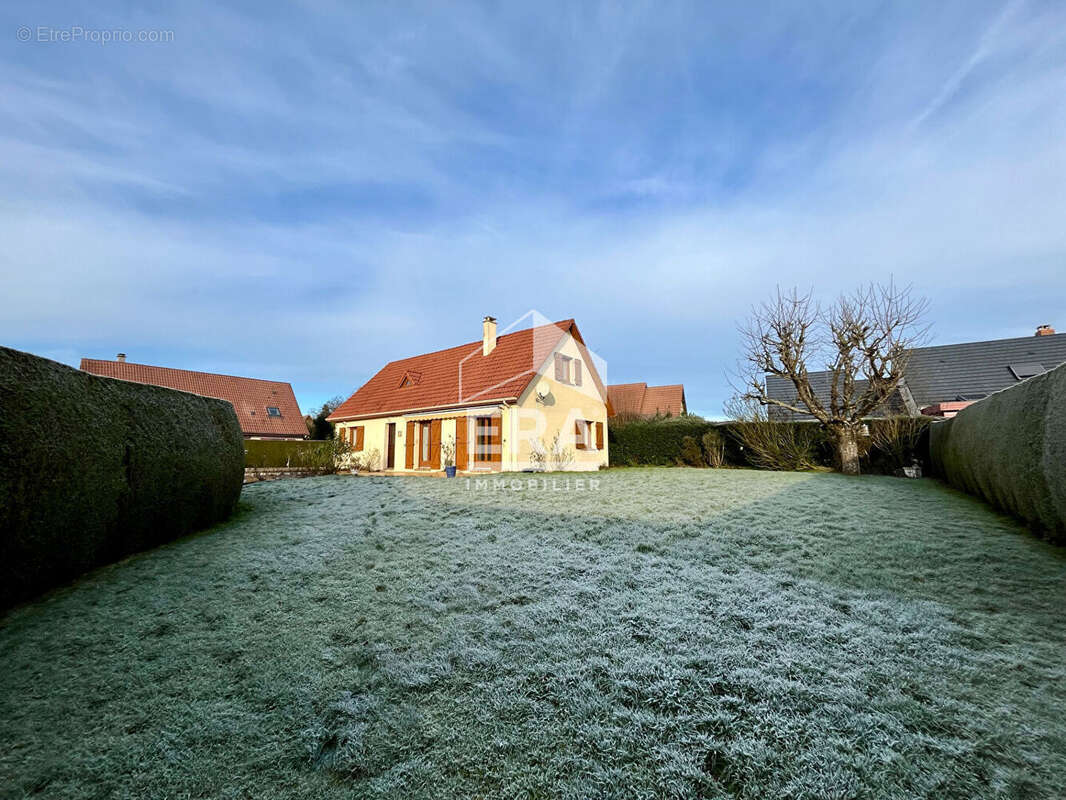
(661, 441)
(653, 441)
(266, 453)
(93, 469)
(1010, 449)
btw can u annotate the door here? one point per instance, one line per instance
(487, 454)
(390, 446)
(425, 444)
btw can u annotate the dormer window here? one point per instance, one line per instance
(273, 411)
(410, 379)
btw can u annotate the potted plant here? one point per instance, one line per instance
(447, 451)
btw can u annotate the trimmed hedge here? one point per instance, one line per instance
(94, 468)
(265, 453)
(661, 442)
(1010, 449)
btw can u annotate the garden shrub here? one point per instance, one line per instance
(896, 442)
(129, 466)
(788, 446)
(1010, 449)
(714, 448)
(691, 453)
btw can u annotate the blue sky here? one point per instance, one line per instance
(304, 194)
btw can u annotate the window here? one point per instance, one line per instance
(588, 435)
(273, 411)
(1027, 370)
(581, 434)
(567, 369)
(483, 439)
(424, 432)
(356, 437)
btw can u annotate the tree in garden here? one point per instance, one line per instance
(861, 340)
(320, 427)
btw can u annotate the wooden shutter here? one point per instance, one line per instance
(599, 435)
(577, 372)
(579, 438)
(462, 442)
(496, 440)
(359, 438)
(409, 446)
(434, 444)
(559, 375)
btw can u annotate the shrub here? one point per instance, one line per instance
(141, 465)
(1010, 449)
(896, 442)
(691, 454)
(714, 448)
(768, 444)
(264, 453)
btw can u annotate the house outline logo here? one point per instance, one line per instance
(542, 334)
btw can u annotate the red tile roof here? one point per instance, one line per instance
(460, 376)
(250, 396)
(641, 400)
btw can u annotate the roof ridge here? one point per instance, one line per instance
(563, 324)
(1032, 337)
(180, 369)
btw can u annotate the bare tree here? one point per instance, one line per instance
(861, 340)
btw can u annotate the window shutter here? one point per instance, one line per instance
(559, 375)
(496, 440)
(359, 438)
(577, 372)
(599, 435)
(434, 444)
(409, 446)
(579, 439)
(462, 442)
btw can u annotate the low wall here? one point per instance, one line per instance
(94, 468)
(1010, 449)
(257, 474)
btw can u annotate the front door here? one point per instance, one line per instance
(390, 446)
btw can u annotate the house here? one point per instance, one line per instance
(497, 404)
(940, 381)
(265, 409)
(640, 400)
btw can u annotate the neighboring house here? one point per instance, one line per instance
(941, 381)
(641, 400)
(497, 402)
(265, 409)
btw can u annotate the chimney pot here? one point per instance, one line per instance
(120, 357)
(1045, 330)
(488, 335)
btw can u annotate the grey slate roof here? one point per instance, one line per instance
(951, 372)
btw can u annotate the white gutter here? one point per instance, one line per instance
(423, 410)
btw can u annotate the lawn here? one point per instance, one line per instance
(674, 633)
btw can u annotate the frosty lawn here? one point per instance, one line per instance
(678, 633)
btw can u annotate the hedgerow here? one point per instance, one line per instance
(663, 441)
(128, 466)
(1010, 449)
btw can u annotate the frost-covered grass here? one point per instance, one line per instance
(678, 633)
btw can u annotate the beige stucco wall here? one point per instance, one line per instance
(522, 423)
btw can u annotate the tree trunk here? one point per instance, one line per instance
(847, 444)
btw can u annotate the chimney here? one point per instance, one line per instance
(1045, 330)
(488, 335)
(120, 357)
